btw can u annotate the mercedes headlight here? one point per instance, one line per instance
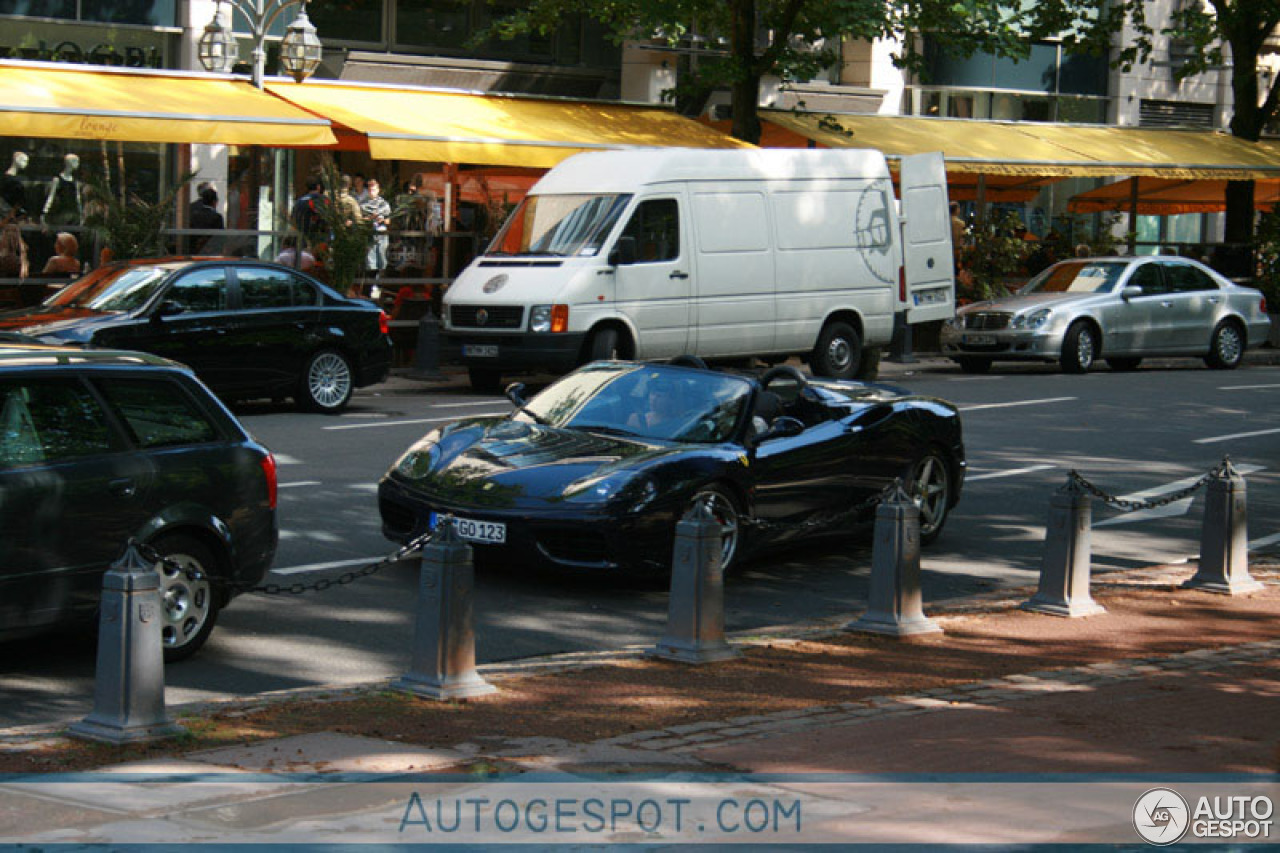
(1032, 321)
(419, 461)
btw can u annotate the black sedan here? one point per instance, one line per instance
(247, 328)
(594, 472)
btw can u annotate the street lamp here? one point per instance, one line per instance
(300, 50)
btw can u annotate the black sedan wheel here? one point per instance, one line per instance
(1226, 347)
(930, 487)
(724, 509)
(189, 604)
(1079, 348)
(326, 383)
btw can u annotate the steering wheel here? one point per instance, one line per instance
(687, 360)
(784, 371)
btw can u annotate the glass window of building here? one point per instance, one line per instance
(352, 20)
(147, 13)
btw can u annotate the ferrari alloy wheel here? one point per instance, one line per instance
(326, 383)
(929, 486)
(725, 512)
(189, 606)
(1226, 348)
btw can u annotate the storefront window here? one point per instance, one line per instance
(431, 23)
(149, 13)
(352, 20)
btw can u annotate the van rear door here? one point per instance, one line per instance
(926, 239)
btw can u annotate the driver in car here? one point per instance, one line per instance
(662, 413)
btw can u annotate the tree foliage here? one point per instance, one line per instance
(793, 40)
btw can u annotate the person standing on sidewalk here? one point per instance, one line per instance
(377, 210)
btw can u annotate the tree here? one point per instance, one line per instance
(1206, 28)
(792, 39)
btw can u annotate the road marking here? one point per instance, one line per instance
(1177, 508)
(1018, 403)
(297, 484)
(1218, 438)
(1246, 387)
(461, 405)
(1264, 541)
(320, 567)
(286, 459)
(407, 423)
(1010, 473)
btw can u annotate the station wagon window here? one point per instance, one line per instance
(158, 412)
(44, 420)
(200, 290)
(268, 288)
(656, 227)
(1184, 278)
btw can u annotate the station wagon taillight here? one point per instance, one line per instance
(1263, 306)
(384, 323)
(269, 473)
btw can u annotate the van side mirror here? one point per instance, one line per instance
(1130, 291)
(624, 251)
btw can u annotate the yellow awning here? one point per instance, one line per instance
(75, 102)
(1051, 150)
(1169, 196)
(493, 129)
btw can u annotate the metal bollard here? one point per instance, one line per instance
(894, 606)
(426, 355)
(1064, 572)
(1224, 540)
(444, 640)
(128, 687)
(695, 609)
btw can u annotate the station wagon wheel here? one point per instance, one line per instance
(929, 487)
(189, 605)
(326, 383)
(724, 509)
(1079, 347)
(1226, 347)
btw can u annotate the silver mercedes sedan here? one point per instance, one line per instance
(1118, 309)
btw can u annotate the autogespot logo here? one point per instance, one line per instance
(1161, 816)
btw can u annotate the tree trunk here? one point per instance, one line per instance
(746, 110)
(746, 84)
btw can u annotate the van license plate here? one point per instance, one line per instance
(484, 532)
(480, 350)
(979, 340)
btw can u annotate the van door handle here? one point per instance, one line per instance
(678, 274)
(122, 488)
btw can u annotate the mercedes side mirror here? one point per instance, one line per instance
(624, 251)
(1130, 291)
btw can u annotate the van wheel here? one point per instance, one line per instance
(839, 352)
(605, 345)
(484, 380)
(869, 364)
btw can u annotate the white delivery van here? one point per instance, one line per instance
(724, 254)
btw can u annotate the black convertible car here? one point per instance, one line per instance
(595, 471)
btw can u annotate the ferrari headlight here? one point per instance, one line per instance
(1034, 320)
(419, 460)
(636, 492)
(540, 318)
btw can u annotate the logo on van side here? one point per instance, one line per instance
(495, 284)
(872, 235)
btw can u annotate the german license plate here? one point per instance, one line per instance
(480, 350)
(484, 532)
(979, 340)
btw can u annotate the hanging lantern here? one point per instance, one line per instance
(218, 50)
(300, 50)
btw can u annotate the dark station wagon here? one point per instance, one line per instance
(248, 328)
(98, 446)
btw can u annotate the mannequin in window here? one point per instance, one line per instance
(13, 193)
(63, 205)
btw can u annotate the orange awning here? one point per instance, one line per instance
(1168, 197)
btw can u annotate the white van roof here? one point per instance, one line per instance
(626, 171)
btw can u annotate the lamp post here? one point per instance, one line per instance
(300, 50)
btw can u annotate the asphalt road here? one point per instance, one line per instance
(1141, 434)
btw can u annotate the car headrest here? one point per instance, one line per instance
(767, 406)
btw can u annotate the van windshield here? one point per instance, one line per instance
(558, 225)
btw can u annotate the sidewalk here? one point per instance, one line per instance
(1167, 681)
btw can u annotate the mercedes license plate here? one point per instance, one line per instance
(979, 340)
(484, 532)
(480, 350)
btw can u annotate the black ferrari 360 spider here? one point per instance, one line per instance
(595, 471)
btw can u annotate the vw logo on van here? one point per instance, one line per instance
(482, 317)
(495, 284)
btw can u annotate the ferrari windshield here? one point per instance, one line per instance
(645, 400)
(1077, 277)
(115, 289)
(558, 225)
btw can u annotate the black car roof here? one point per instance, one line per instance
(27, 355)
